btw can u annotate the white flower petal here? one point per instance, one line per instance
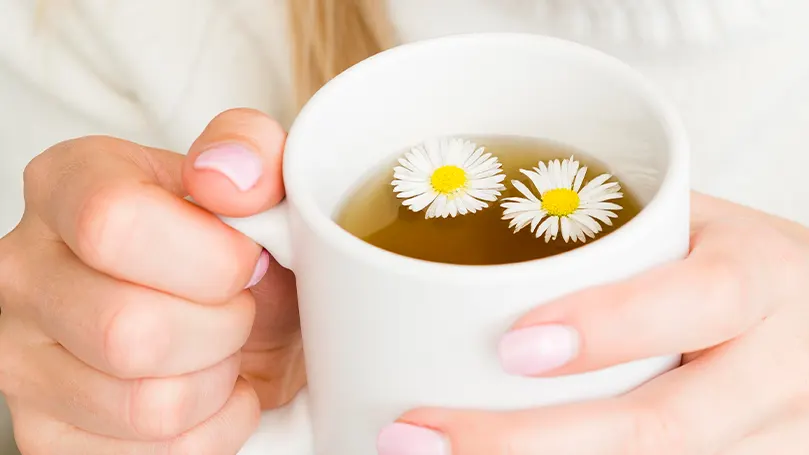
(573, 168)
(471, 159)
(405, 166)
(565, 228)
(585, 230)
(579, 232)
(488, 164)
(579, 179)
(606, 197)
(483, 194)
(555, 174)
(492, 183)
(452, 151)
(418, 203)
(586, 221)
(544, 228)
(480, 161)
(593, 184)
(537, 218)
(411, 193)
(600, 215)
(435, 153)
(600, 205)
(409, 177)
(487, 173)
(542, 185)
(553, 230)
(520, 221)
(524, 190)
(472, 204)
(438, 207)
(563, 173)
(419, 160)
(573, 230)
(452, 208)
(401, 186)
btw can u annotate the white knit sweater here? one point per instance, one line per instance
(156, 71)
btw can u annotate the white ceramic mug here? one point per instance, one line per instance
(385, 333)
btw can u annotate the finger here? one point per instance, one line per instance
(571, 430)
(698, 409)
(125, 330)
(224, 433)
(784, 437)
(272, 358)
(147, 409)
(718, 292)
(234, 167)
(705, 209)
(112, 202)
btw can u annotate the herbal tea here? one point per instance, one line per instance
(434, 209)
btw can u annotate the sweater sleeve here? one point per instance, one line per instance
(54, 85)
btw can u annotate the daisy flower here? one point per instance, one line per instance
(448, 177)
(562, 203)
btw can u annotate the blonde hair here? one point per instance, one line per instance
(328, 36)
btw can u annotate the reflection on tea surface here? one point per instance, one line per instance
(373, 213)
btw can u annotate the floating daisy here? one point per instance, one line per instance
(563, 205)
(448, 177)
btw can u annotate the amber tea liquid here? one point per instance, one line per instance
(373, 213)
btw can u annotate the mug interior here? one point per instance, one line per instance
(478, 85)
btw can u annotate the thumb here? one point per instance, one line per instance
(234, 167)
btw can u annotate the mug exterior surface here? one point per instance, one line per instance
(384, 333)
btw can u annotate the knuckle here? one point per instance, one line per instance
(6, 367)
(32, 435)
(37, 173)
(136, 340)
(231, 271)
(10, 266)
(12, 362)
(653, 430)
(160, 408)
(190, 445)
(29, 441)
(40, 173)
(51, 169)
(104, 223)
(729, 305)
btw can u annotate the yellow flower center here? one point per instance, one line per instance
(448, 179)
(560, 202)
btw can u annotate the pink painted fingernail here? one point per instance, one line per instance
(536, 350)
(404, 439)
(240, 165)
(261, 269)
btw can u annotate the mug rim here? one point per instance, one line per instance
(325, 227)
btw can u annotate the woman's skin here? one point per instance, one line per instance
(126, 324)
(125, 320)
(738, 305)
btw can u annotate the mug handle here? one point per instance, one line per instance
(269, 229)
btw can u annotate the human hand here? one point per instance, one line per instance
(737, 305)
(126, 325)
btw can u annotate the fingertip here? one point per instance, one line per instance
(234, 167)
(403, 438)
(247, 395)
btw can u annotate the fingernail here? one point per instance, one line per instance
(240, 165)
(536, 350)
(404, 439)
(261, 269)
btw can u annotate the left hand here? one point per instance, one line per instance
(738, 305)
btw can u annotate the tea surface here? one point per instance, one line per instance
(373, 213)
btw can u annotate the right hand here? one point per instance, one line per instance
(126, 325)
